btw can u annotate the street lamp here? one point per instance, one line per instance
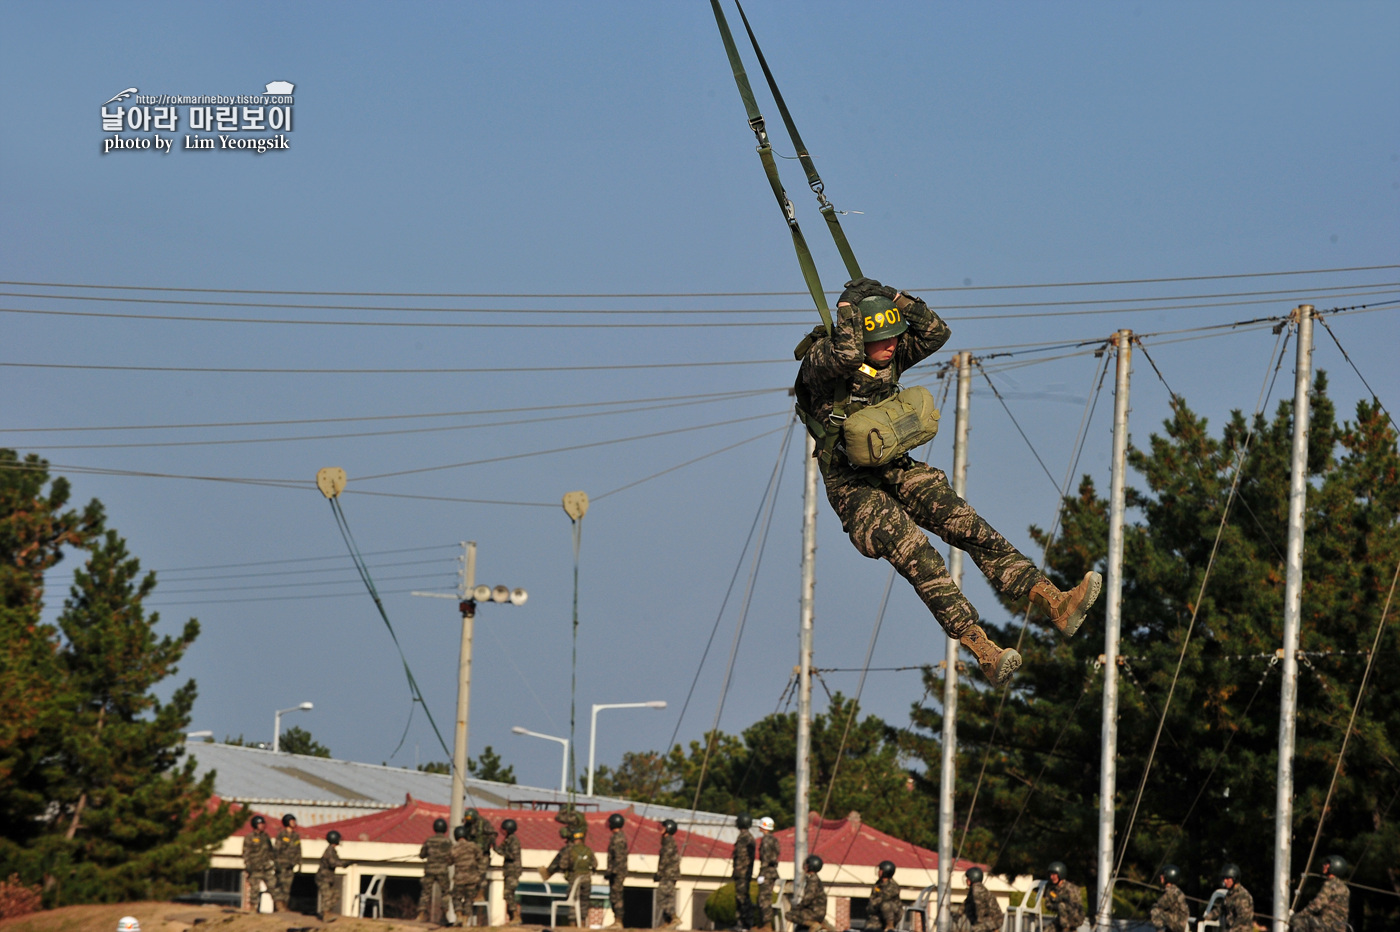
(593, 729)
(277, 723)
(564, 770)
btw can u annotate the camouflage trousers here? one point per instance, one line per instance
(883, 511)
(743, 906)
(666, 899)
(615, 895)
(329, 889)
(1305, 923)
(425, 898)
(765, 899)
(283, 891)
(266, 877)
(510, 882)
(465, 892)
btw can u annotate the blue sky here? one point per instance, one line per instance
(519, 150)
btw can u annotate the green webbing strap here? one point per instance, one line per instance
(814, 180)
(770, 168)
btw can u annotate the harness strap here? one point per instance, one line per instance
(770, 168)
(814, 180)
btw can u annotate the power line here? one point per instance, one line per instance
(686, 294)
(479, 370)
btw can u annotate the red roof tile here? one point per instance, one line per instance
(853, 843)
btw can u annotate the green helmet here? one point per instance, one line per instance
(1230, 872)
(460, 832)
(1057, 868)
(742, 821)
(813, 864)
(332, 837)
(880, 319)
(974, 875)
(1170, 874)
(1334, 864)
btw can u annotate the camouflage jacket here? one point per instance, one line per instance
(886, 890)
(467, 861)
(437, 851)
(1236, 912)
(811, 908)
(571, 820)
(1065, 904)
(485, 835)
(743, 855)
(288, 853)
(770, 852)
(330, 860)
(1331, 905)
(580, 862)
(981, 908)
(835, 363)
(257, 852)
(668, 866)
(617, 854)
(510, 851)
(1169, 913)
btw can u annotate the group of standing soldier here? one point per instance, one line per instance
(468, 856)
(272, 865)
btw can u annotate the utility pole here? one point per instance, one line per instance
(1113, 605)
(948, 775)
(806, 601)
(468, 595)
(1292, 614)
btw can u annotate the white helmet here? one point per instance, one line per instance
(766, 824)
(128, 924)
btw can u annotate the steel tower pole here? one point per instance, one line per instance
(807, 601)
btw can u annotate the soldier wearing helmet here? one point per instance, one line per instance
(668, 871)
(1328, 910)
(810, 910)
(437, 857)
(742, 872)
(576, 861)
(980, 912)
(469, 866)
(260, 862)
(879, 334)
(328, 885)
(1236, 911)
(885, 904)
(510, 870)
(1064, 900)
(616, 872)
(287, 856)
(769, 854)
(1170, 913)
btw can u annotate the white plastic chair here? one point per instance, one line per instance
(373, 896)
(920, 909)
(1215, 899)
(571, 902)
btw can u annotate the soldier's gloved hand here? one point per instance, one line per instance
(848, 338)
(859, 288)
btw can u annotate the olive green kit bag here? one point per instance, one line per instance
(879, 433)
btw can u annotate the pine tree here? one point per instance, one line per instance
(104, 809)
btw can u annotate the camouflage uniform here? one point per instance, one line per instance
(577, 863)
(571, 821)
(883, 508)
(1328, 910)
(437, 853)
(1170, 913)
(668, 871)
(743, 876)
(1064, 907)
(980, 911)
(770, 852)
(328, 884)
(288, 859)
(485, 836)
(259, 862)
(1236, 913)
(616, 873)
(468, 872)
(811, 909)
(510, 873)
(885, 904)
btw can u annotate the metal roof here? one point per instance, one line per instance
(262, 779)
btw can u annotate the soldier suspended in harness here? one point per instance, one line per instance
(865, 426)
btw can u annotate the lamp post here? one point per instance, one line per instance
(277, 723)
(593, 728)
(564, 768)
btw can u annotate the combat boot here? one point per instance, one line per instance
(997, 663)
(1067, 609)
